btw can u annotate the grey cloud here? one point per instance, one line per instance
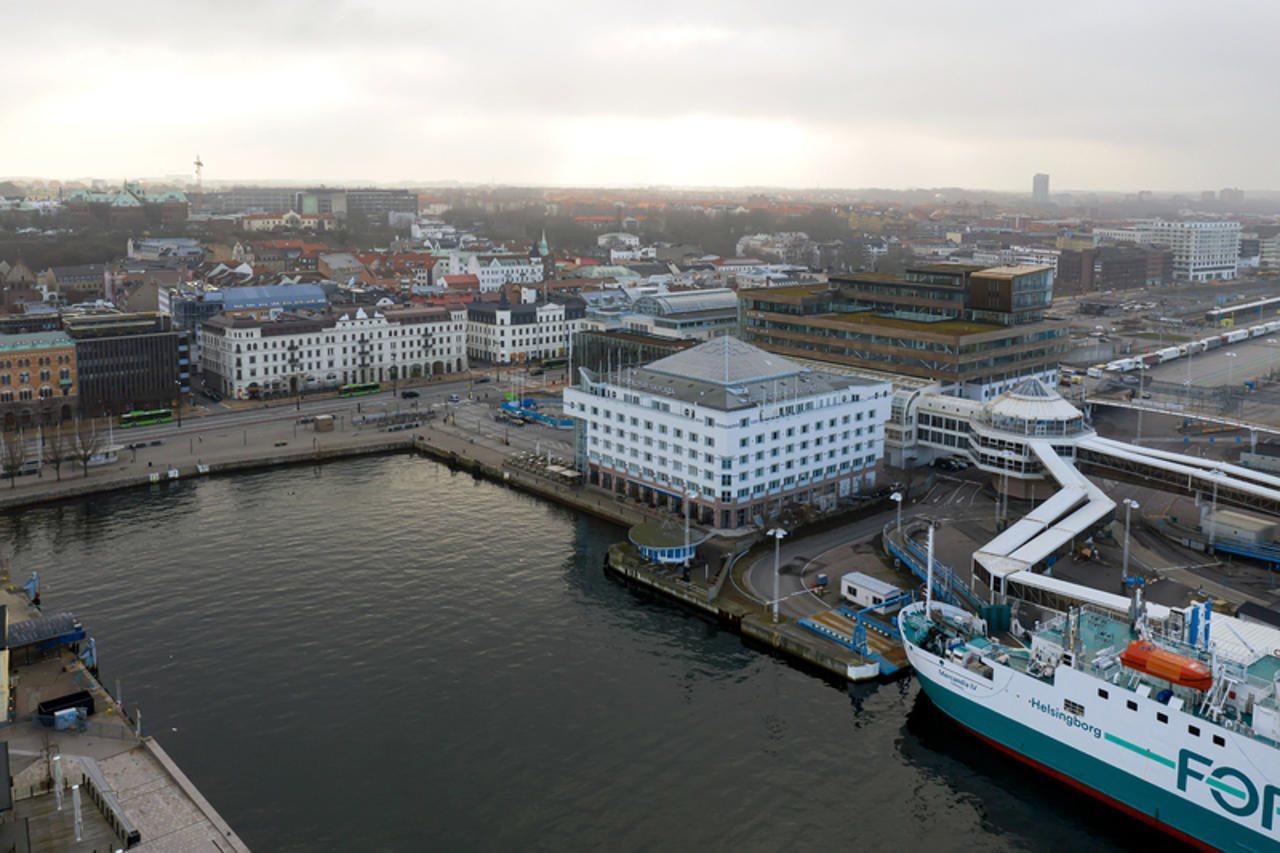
(1189, 83)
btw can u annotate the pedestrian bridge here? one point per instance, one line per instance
(1079, 507)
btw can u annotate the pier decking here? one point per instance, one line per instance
(752, 620)
(132, 794)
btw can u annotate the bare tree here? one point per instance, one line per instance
(88, 442)
(15, 453)
(58, 448)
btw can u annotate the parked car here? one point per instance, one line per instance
(481, 380)
(409, 395)
(537, 371)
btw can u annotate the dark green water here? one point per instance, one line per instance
(384, 655)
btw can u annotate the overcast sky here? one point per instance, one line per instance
(1108, 95)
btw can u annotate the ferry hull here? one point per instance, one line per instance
(1129, 793)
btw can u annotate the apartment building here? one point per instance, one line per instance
(247, 356)
(500, 332)
(38, 381)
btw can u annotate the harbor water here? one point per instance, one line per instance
(382, 654)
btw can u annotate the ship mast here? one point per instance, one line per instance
(928, 577)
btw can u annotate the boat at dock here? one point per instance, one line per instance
(1149, 715)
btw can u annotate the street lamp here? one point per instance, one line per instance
(427, 341)
(1142, 385)
(688, 499)
(178, 383)
(896, 497)
(777, 533)
(1129, 505)
(928, 572)
(1190, 352)
(395, 366)
(1231, 368)
(1213, 511)
(294, 364)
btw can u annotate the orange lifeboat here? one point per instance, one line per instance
(1166, 665)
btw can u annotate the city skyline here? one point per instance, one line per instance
(823, 96)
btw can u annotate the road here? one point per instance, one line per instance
(221, 431)
(950, 498)
(473, 414)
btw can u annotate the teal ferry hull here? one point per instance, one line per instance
(1130, 794)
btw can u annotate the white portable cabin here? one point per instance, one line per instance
(866, 591)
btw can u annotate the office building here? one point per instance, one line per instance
(248, 356)
(1204, 250)
(376, 206)
(1113, 268)
(248, 200)
(129, 361)
(602, 349)
(1040, 188)
(737, 431)
(975, 330)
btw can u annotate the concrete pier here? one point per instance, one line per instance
(132, 794)
(748, 618)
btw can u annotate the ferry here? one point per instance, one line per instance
(1148, 714)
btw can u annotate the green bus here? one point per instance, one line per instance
(359, 389)
(146, 417)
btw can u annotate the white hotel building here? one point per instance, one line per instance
(247, 356)
(735, 429)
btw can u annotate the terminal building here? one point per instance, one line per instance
(1037, 446)
(978, 331)
(734, 429)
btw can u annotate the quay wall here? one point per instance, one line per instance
(782, 638)
(74, 486)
